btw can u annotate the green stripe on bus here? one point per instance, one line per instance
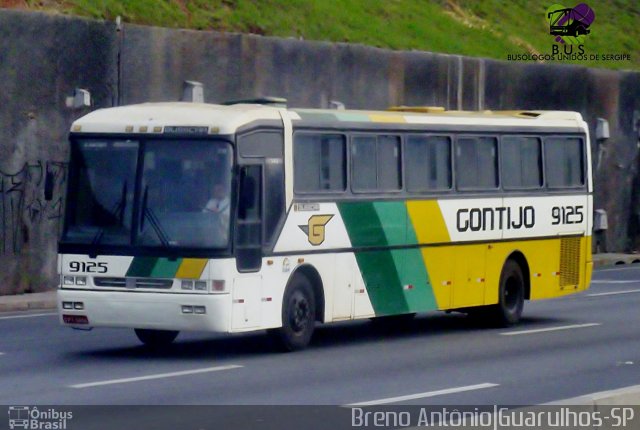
(378, 268)
(166, 268)
(316, 116)
(409, 263)
(141, 266)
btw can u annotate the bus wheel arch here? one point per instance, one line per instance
(312, 275)
(299, 313)
(519, 258)
(512, 293)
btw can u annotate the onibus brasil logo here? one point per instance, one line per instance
(570, 25)
(31, 418)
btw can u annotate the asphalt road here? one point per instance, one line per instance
(434, 359)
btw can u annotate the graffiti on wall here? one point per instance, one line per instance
(23, 204)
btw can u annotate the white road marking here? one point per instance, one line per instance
(156, 376)
(424, 395)
(613, 293)
(619, 267)
(615, 281)
(27, 316)
(541, 330)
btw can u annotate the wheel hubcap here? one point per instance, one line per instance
(299, 314)
(511, 293)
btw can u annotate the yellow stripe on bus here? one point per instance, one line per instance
(386, 118)
(191, 268)
(428, 222)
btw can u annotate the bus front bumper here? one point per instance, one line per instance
(160, 311)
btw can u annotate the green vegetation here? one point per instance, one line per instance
(486, 28)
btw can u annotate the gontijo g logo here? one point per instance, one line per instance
(570, 25)
(315, 228)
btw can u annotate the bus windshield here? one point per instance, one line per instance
(179, 190)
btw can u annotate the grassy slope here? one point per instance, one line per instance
(487, 28)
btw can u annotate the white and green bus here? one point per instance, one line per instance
(243, 217)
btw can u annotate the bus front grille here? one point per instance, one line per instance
(112, 282)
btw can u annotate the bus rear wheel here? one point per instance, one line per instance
(508, 310)
(298, 316)
(156, 338)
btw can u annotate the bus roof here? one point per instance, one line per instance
(202, 118)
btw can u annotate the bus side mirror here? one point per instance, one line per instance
(48, 186)
(602, 129)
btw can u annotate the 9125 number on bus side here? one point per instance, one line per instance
(567, 214)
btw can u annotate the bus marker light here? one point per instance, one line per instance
(218, 285)
(445, 283)
(266, 299)
(186, 285)
(157, 129)
(537, 275)
(78, 306)
(269, 262)
(300, 260)
(67, 305)
(360, 291)
(75, 319)
(199, 310)
(408, 287)
(143, 129)
(128, 129)
(480, 280)
(201, 285)
(187, 309)
(238, 301)
(556, 273)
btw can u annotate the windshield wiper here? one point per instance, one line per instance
(153, 220)
(117, 212)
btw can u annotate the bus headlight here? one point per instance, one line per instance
(68, 280)
(219, 286)
(201, 285)
(186, 285)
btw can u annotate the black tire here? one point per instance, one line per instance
(156, 338)
(298, 316)
(510, 296)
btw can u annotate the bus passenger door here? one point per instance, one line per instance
(469, 279)
(247, 296)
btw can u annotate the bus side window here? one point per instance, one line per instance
(266, 148)
(564, 159)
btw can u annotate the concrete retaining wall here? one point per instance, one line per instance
(43, 58)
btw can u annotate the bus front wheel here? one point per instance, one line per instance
(298, 316)
(156, 338)
(508, 310)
